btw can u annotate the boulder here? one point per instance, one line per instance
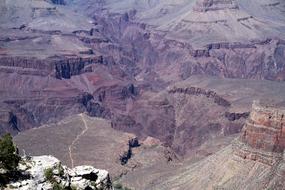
(87, 177)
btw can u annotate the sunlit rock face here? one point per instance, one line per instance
(263, 135)
(266, 124)
(81, 177)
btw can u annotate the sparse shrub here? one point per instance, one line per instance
(57, 186)
(49, 175)
(60, 170)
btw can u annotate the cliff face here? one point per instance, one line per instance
(255, 161)
(265, 129)
(261, 59)
(263, 136)
(60, 67)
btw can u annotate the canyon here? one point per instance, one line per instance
(156, 92)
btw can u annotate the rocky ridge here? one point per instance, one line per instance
(199, 91)
(213, 5)
(61, 67)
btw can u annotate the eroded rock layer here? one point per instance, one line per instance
(212, 5)
(263, 136)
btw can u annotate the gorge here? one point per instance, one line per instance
(156, 92)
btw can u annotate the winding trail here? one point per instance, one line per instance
(76, 139)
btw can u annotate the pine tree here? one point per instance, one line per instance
(9, 158)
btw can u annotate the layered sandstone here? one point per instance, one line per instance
(263, 136)
(59, 66)
(213, 5)
(203, 92)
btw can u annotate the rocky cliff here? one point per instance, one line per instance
(47, 172)
(59, 67)
(254, 161)
(263, 136)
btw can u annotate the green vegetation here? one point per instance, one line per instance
(57, 186)
(49, 175)
(60, 170)
(9, 158)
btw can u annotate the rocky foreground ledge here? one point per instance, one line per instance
(47, 172)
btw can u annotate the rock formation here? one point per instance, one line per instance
(213, 5)
(127, 154)
(254, 161)
(263, 136)
(47, 172)
(115, 59)
(198, 91)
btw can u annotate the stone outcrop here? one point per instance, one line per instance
(213, 5)
(256, 59)
(47, 172)
(60, 67)
(236, 116)
(263, 136)
(93, 107)
(205, 52)
(199, 91)
(129, 91)
(126, 155)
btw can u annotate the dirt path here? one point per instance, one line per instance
(76, 139)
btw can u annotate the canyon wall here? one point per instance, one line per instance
(263, 136)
